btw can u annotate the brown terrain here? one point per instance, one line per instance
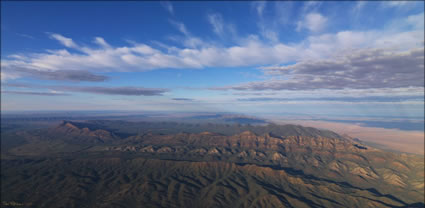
(87, 166)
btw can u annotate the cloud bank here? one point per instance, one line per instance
(183, 99)
(388, 58)
(129, 91)
(34, 93)
(199, 53)
(341, 99)
(363, 69)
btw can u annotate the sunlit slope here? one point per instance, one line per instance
(94, 165)
(114, 182)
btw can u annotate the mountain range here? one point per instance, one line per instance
(105, 163)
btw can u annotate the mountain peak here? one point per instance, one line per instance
(70, 125)
(67, 126)
(207, 133)
(83, 132)
(248, 134)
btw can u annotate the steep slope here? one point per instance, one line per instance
(65, 137)
(257, 166)
(115, 182)
(341, 160)
(82, 133)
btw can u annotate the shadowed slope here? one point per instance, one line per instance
(114, 182)
(85, 164)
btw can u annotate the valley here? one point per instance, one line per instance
(109, 163)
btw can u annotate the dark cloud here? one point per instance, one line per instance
(70, 75)
(341, 99)
(131, 91)
(21, 85)
(59, 75)
(183, 99)
(35, 93)
(254, 93)
(363, 69)
(134, 91)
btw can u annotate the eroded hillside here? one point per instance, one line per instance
(89, 164)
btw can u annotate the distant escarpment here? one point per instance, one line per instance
(82, 133)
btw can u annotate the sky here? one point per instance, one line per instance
(351, 58)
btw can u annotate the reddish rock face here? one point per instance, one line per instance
(69, 130)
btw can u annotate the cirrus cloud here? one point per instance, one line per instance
(198, 53)
(314, 22)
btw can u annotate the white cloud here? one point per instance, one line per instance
(314, 22)
(259, 7)
(395, 3)
(311, 6)
(284, 12)
(359, 5)
(181, 27)
(358, 8)
(271, 35)
(400, 6)
(251, 51)
(64, 41)
(168, 6)
(100, 41)
(417, 20)
(216, 21)
(25, 35)
(193, 42)
(8, 76)
(196, 52)
(223, 29)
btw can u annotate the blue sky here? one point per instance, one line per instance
(347, 58)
